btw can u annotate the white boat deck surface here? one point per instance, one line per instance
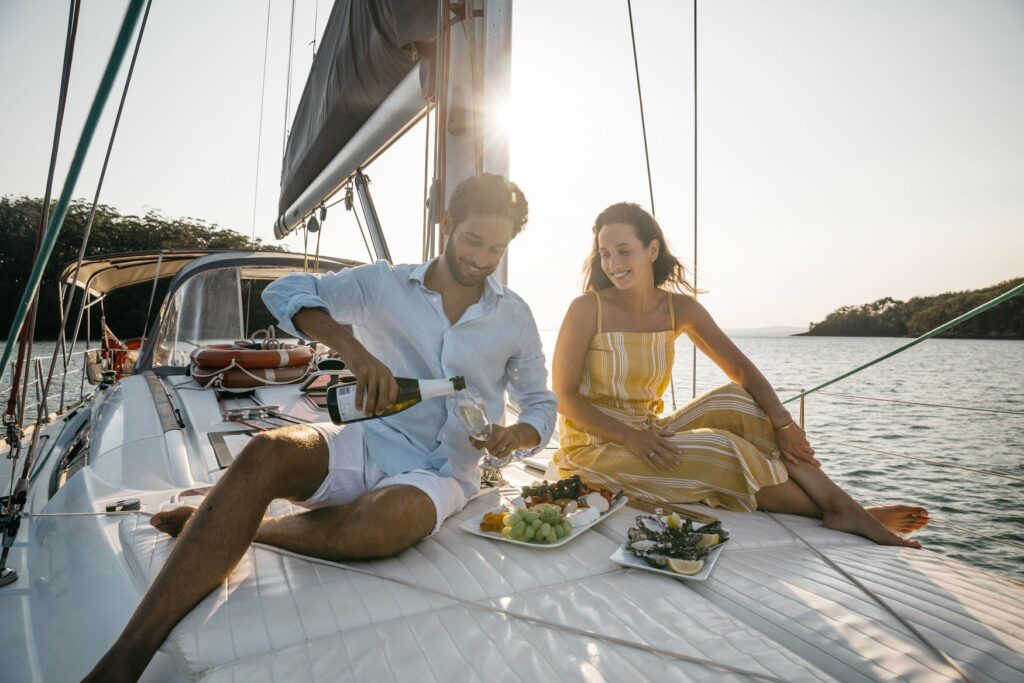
(460, 607)
(771, 606)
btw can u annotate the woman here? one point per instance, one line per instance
(734, 447)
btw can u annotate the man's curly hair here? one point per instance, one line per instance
(491, 195)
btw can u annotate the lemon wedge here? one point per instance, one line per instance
(688, 567)
(707, 540)
(674, 521)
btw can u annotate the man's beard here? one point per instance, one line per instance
(460, 276)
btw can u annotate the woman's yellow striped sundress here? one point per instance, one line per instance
(727, 441)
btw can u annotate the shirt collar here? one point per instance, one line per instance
(419, 273)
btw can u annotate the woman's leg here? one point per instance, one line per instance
(838, 510)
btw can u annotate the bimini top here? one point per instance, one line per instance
(105, 273)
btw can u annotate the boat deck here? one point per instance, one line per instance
(460, 607)
(443, 608)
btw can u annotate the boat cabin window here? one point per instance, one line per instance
(213, 307)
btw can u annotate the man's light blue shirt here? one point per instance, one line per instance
(494, 345)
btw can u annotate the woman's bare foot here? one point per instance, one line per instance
(900, 519)
(856, 520)
(171, 522)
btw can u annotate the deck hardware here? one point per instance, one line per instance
(125, 505)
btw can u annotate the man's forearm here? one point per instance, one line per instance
(317, 324)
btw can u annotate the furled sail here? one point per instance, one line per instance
(368, 49)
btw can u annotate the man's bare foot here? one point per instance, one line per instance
(856, 520)
(171, 522)
(900, 519)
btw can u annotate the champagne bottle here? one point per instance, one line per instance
(341, 398)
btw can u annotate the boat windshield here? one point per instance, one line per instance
(213, 307)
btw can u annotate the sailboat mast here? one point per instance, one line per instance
(479, 83)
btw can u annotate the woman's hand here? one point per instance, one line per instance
(652, 446)
(794, 445)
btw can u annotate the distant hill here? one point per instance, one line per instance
(774, 331)
(890, 317)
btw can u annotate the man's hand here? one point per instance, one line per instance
(504, 440)
(376, 388)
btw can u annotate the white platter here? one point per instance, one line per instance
(472, 525)
(623, 557)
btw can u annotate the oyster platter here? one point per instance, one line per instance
(547, 515)
(673, 546)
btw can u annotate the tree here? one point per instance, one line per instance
(111, 233)
(891, 318)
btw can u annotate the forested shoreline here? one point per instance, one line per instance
(111, 232)
(890, 317)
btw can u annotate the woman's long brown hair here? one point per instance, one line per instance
(667, 268)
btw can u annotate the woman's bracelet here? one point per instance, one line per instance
(789, 424)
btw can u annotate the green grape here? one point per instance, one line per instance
(567, 528)
(515, 517)
(531, 515)
(508, 521)
(528, 533)
(560, 531)
(506, 532)
(545, 529)
(519, 528)
(535, 524)
(552, 536)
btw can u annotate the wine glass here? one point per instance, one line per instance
(472, 413)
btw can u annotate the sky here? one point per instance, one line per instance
(847, 150)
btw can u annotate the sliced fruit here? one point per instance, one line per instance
(687, 567)
(707, 540)
(674, 521)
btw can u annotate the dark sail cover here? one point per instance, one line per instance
(367, 48)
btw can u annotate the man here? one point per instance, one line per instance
(377, 487)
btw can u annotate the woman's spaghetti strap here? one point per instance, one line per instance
(598, 297)
(672, 311)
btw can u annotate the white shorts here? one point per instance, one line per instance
(351, 472)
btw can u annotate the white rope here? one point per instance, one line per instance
(218, 376)
(533, 620)
(84, 514)
(586, 633)
(871, 594)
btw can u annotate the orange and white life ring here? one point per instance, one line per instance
(237, 377)
(214, 356)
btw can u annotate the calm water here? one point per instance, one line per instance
(980, 374)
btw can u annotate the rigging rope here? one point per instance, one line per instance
(15, 414)
(259, 130)
(426, 185)
(693, 371)
(640, 97)
(56, 221)
(92, 212)
(874, 596)
(647, 153)
(938, 463)
(520, 616)
(920, 403)
(288, 85)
